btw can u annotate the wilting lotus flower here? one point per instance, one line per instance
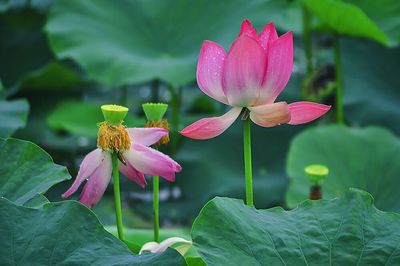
(132, 146)
(249, 78)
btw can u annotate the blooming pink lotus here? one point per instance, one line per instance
(140, 159)
(252, 75)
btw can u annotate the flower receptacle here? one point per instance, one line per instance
(114, 114)
(154, 111)
(316, 173)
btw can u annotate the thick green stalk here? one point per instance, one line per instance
(339, 81)
(117, 197)
(247, 162)
(156, 194)
(307, 40)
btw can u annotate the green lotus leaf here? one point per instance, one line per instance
(344, 231)
(346, 18)
(65, 233)
(122, 42)
(13, 115)
(26, 171)
(364, 158)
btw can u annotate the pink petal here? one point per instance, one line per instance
(280, 65)
(97, 183)
(87, 167)
(304, 112)
(268, 35)
(208, 128)
(146, 136)
(133, 174)
(152, 162)
(270, 115)
(248, 30)
(244, 71)
(210, 69)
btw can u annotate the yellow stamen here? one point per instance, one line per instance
(161, 124)
(113, 138)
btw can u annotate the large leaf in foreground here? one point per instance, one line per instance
(65, 233)
(365, 158)
(13, 115)
(26, 170)
(120, 42)
(344, 231)
(346, 18)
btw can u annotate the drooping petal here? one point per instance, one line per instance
(304, 112)
(244, 71)
(210, 70)
(211, 127)
(132, 173)
(268, 35)
(152, 162)
(146, 136)
(280, 66)
(97, 183)
(87, 167)
(248, 30)
(155, 247)
(270, 115)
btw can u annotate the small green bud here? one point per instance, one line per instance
(154, 111)
(114, 114)
(316, 173)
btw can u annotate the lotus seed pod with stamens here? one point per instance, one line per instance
(112, 135)
(154, 113)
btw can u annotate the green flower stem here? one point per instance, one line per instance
(339, 81)
(307, 39)
(117, 197)
(156, 194)
(247, 162)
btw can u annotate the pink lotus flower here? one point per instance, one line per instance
(140, 159)
(252, 75)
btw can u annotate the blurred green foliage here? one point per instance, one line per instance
(67, 57)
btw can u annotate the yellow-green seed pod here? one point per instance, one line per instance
(316, 173)
(154, 111)
(114, 114)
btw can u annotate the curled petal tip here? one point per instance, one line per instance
(178, 168)
(304, 112)
(288, 34)
(247, 29)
